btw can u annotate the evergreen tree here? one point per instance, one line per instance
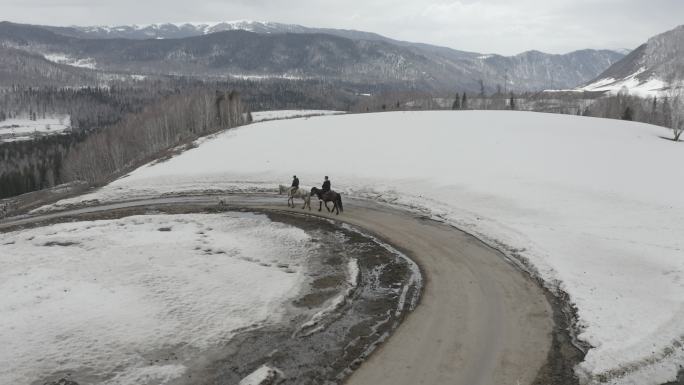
(627, 114)
(464, 102)
(457, 103)
(512, 102)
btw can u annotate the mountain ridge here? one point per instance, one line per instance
(189, 29)
(346, 55)
(654, 68)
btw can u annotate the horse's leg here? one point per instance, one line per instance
(320, 205)
(326, 206)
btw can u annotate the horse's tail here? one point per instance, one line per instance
(339, 202)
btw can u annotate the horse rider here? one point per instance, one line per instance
(326, 186)
(295, 184)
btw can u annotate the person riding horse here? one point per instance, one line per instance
(295, 183)
(326, 185)
(325, 195)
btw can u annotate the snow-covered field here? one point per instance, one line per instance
(260, 116)
(594, 205)
(114, 296)
(24, 128)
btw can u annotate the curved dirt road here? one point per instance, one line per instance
(479, 321)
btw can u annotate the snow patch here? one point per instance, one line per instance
(259, 116)
(24, 128)
(105, 296)
(263, 376)
(266, 76)
(71, 61)
(648, 88)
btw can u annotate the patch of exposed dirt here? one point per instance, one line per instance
(63, 244)
(563, 355)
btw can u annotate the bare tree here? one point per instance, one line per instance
(676, 113)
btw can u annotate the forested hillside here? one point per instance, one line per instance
(117, 142)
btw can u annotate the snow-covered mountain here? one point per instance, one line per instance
(175, 30)
(248, 49)
(655, 68)
(193, 29)
(534, 70)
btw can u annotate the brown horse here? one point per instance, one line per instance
(325, 197)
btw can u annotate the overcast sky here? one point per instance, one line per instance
(488, 26)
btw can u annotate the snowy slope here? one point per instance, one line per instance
(650, 70)
(592, 204)
(650, 87)
(24, 129)
(71, 303)
(260, 116)
(71, 61)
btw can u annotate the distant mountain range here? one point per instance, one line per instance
(655, 68)
(261, 50)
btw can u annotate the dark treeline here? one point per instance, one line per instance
(33, 165)
(89, 108)
(284, 94)
(141, 137)
(98, 155)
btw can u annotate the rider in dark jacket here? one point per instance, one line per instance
(326, 185)
(295, 184)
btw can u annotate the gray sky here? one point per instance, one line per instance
(488, 26)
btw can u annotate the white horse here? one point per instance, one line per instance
(293, 193)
